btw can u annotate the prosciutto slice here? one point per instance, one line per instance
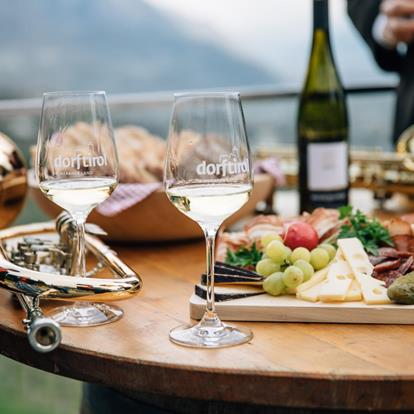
(323, 221)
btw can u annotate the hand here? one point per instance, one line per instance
(400, 22)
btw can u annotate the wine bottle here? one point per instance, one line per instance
(322, 124)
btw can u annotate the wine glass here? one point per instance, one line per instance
(77, 168)
(208, 177)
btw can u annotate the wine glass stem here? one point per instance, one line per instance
(210, 236)
(80, 253)
(80, 268)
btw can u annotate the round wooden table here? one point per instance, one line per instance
(365, 367)
(286, 364)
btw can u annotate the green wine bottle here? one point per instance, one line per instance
(322, 124)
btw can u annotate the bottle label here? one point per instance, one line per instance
(327, 166)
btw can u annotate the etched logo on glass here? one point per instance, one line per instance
(80, 161)
(228, 164)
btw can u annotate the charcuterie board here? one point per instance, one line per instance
(328, 266)
(288, 308)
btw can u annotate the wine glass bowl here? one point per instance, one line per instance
(77, 175)
(208, 177)
(91, 163)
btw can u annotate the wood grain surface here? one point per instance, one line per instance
(286, 364)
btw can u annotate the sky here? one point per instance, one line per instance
(276, 34)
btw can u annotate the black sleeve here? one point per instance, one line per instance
(363, 14)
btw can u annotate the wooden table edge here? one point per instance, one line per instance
(333, 391)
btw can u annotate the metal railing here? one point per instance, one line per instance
(30, 107)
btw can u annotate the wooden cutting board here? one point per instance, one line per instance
(288, 308)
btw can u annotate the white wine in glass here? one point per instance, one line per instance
(78, 196)
(208, 177)
(77, 169)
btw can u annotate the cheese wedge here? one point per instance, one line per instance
(314, 280)
(373, 290)
(339, 255)
(311, 294)
(354, 293)
(338, 282)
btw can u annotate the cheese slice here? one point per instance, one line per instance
(339, 255)
(373, 290)
(314, 280)
(338, 282)
(354, 293)
(311, 294)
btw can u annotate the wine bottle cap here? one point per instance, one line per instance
(320, 14)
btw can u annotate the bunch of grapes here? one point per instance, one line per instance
(285, 269)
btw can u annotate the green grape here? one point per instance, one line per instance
(306, 268)
(329, 249)
(277, 251)
(300, 253)
(288, 259)
(273, 284)
(319, 258)
(269, 237)
(266, 267)
(293, 276)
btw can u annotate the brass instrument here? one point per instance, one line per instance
(36, 260)
(44, 333)
(36, 263)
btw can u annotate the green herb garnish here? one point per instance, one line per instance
(244, 257)
(370, 232)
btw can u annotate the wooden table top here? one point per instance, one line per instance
(286, 364)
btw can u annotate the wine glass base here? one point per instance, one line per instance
(86, 314)
(199, 336)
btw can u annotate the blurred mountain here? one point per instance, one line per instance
(116, 45)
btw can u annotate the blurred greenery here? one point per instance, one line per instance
(26, 390)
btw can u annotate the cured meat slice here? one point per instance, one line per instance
(387, 277)
(232, 241)
(272, 220)
(388, 252)
(323, 220)
(261, 225)
(406, 266)
(405, 254)
(377, 259)
(398, 227)
(255, 233)
(402, 243)
(387, 265)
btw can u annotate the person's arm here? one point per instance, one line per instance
(363, 14)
